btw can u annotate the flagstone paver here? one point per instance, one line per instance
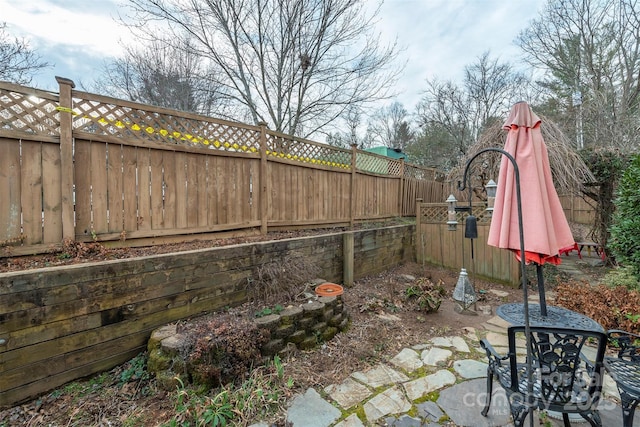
(379, 376)
(435, 356)
(311, 410)
(456, 342)
(430, 411)
(348, 393)
(391, 401)
(407, 359)
(351, 421)
(469, 368)
(420, 387)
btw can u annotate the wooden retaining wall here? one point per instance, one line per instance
(62, 323)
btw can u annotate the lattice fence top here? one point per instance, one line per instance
(33, 113)
(285, 147)
(427, 174)
(125, 121)
(437, 212)
(375, 163)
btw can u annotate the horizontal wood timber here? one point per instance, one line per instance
(62, 323)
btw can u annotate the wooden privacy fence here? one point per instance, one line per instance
(577, 210)
(86, 167)
(436, 244)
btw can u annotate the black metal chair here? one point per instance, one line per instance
(564, 380)
(625, 371)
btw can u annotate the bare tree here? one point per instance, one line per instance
(492, 88)
(444, 107)
(295, 64)
(390, 127)
(352, 118)
(431, 147)
(163, 72)
(463, 111)
(590, 51)
(18, 62)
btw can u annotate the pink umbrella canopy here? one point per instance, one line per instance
(545, 227)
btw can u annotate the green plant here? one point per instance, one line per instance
(279, 367)
(622, 276)
(632, 317)
(218, 411)
(544, 419)
(625, 225)
(411, 292)
(193, 408)
(277, 309)
(262, 394)
(135, 369)
(427, 295)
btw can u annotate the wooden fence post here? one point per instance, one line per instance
(347, 258)
(264, 180)
(352, 207)
(66, 156)
(419, 234)
(401, 200)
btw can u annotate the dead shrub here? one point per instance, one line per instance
(282, 281)
(224, 348)
(612, 307)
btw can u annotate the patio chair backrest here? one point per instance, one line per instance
(563, 376)
(628, 344)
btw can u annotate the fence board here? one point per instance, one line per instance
(31, 194)
(144, 191)
(130, 189)
(9, 189)
(202, 187)
(157, 189)
(170, 190)
(192, 173)
(99, 187)
(238, 200)
(212, 189)
(82, 173)
(222, 179)
(181, 190)
(114, 188)
(51, 194)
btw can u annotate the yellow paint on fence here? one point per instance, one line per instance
(199, 140)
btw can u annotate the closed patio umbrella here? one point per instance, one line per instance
(545, 226)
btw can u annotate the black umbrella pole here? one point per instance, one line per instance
(541, 292)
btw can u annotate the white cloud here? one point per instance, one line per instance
(90, 25)
(439, 37)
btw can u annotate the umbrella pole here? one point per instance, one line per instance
(541, 291)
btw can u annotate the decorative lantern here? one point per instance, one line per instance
(464, 294)
(491, 195)
(452, 220)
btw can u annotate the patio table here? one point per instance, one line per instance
(557, 317)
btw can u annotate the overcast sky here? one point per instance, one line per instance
(439, 37)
